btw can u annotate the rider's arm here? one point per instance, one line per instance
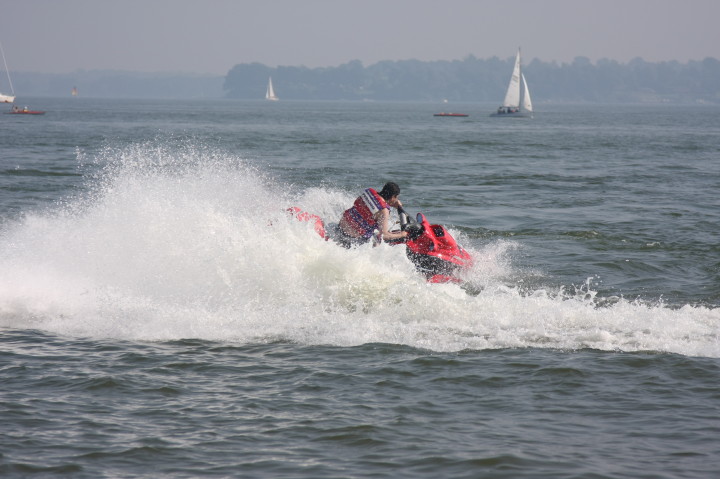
(384, 223)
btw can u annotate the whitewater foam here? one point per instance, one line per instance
(178, 242)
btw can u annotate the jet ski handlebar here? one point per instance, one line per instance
(404, 218)
(409, 224)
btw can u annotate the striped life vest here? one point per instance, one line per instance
(361, 216)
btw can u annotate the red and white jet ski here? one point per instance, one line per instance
(430, 247)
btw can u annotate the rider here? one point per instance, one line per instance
(370, 212)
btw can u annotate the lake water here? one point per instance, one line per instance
(161, 316)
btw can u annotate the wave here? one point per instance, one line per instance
(175, 242)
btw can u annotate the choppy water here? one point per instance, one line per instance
(161, 317)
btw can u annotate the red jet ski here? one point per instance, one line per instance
(431, 248)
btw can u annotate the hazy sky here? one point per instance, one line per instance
(211, 36)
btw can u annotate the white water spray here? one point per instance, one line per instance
(173, 243)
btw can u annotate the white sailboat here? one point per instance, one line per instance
(515, 103)
(270, 94)
(7, 98)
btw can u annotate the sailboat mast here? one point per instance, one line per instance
(12, 90)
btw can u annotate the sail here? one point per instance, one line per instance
(270, 94)
(7, 98)
(527, 103)
(512, 97)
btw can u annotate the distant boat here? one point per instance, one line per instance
(270, 94)
(7, 98)
(450, 114)
(24, 111)
(515, 104)
(74, 91)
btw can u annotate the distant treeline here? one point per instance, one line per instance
(474, 79)
(471, 79)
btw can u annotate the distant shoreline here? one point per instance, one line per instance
(469, 80)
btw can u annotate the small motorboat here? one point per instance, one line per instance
(24, 111)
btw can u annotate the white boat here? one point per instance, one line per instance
(516, 104)
(7, 98)
(270, 94)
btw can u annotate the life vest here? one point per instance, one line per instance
(361, 216)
